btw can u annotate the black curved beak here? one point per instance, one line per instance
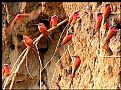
(73, 56)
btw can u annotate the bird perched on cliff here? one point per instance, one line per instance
(111, 33)
(30, 16)
(73, 18)
(98, 21)
(77, 62)
(29, 43)
(53, 21)
(98, 24)
(107, 12)
(5, 70)
(42, 28)
(8, 29)
(66, 39)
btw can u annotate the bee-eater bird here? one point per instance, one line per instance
(77, 62)
(73, 18)
(8, 29)
(107, 12)
(29, 43)
(30, 16)
(42, 28)
(98, 21)
(111, 33)
(66, 39)
(6, 70)
(98, 24)
(53, 21)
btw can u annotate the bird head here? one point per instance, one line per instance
(107, 5)
(76, 56)
(5, 65)
(99, 13)
(76, 12)
(24, 37)
(53, 16)
(112, 26)
(18, 17)
(39, 24)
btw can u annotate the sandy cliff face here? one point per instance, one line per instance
(95, 71)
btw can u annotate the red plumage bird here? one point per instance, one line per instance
(53, 21)
(98, 24)
(73, 18)
(29, 42)
(107, 12)
(98, 21)
(77, 62)
(8, 30)
(111, 33)
(67, 38)
(42, 28)
(6, 70)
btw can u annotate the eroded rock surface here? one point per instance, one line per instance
(94, 72)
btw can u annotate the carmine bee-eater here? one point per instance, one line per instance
(29, 42)
(107, 12)
(111, 33)
(66, 39)
(42, 28)
(6, 70)
(53, 21)
(73, 18)
(98, 24)
(8, 29)
(98, 21)
(77, 62)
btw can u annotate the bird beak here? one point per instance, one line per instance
(78, 11)
(71, 32)
(72, 56)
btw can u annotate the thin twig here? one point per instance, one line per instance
(6, 83)
(13, 79)
(28, 69)
(40, 64)
(60, 60)
(59, 40)
(56, 65)
(50, 30)
(18, 60)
